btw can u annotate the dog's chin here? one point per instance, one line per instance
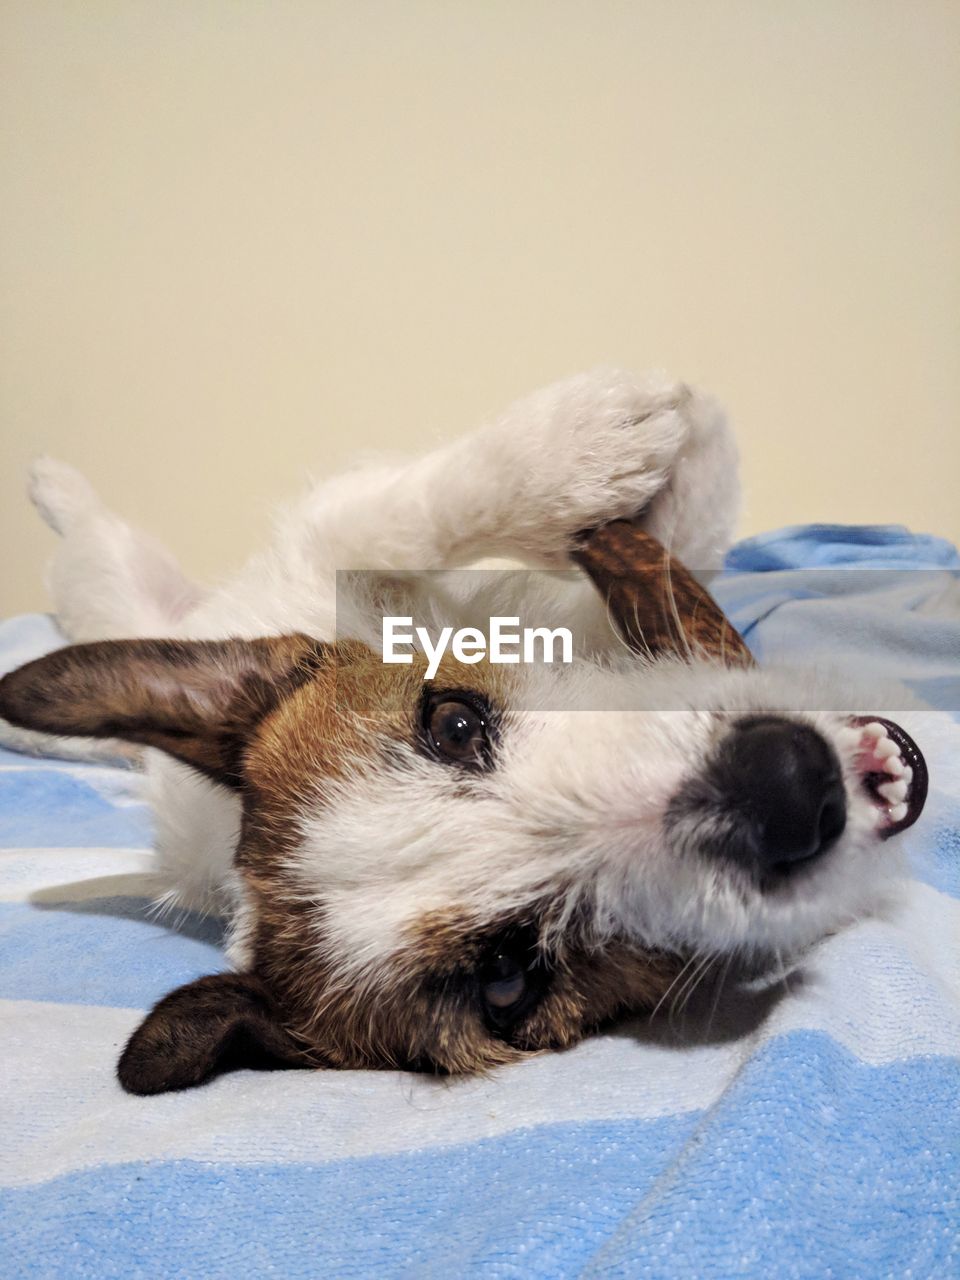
(774, 922)
(857, 880)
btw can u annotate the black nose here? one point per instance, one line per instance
(783, 782)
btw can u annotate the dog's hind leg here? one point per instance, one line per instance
(108, 580)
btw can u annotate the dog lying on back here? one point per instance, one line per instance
(447, 874)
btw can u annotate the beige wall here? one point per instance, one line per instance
(243, 238)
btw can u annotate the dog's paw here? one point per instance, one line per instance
(592, 448)
(695, 512)
(60, 493)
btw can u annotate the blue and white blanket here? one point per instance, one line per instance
(820, 1139)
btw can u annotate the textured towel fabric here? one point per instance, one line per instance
(812, 1130)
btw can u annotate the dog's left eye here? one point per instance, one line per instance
(457, 731)
(504, 983)
(511, 979)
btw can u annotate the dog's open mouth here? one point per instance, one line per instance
(892, 771)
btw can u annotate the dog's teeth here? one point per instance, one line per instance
(898, 813)
(893, 791)
(874, 730)
(896, 768)
(885, 748)
(907, 774)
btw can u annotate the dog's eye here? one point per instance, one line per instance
(511, 979)
(457, 731)
(503, 984)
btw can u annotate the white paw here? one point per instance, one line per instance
(60, 493)
(695, 513)
(592, 448)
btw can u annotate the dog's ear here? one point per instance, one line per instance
(656, 603)
(221, 1023)
(198, 700)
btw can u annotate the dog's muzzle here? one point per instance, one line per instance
(774, 798)
(782, 783)
(780, 788)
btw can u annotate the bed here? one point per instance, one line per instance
(812, 1130)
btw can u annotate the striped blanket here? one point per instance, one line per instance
(814, 1131)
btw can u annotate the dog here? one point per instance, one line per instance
(447, 874)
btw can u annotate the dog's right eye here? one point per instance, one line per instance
(457, 731)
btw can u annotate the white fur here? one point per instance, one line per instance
(574, 810)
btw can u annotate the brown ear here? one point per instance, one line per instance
(657, 604)
(198, 700)
(221, 1023)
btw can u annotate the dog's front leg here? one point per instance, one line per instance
(573, 455)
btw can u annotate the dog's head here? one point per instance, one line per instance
(447, 874)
